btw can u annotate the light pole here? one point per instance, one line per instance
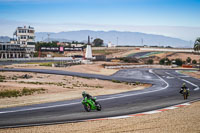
(117, 41)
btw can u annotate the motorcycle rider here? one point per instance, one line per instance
(184, 88)
(84, 94)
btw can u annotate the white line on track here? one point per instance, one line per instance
(178, 71)
(180, 77)
(109, 98)
(197, 87)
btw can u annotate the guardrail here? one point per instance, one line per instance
(41, 59)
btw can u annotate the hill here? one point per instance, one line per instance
(124, 38)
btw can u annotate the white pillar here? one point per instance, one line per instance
(6, 55)
(88, 54)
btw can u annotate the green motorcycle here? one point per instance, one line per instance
(90, 105)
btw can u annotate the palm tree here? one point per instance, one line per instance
(197, 45)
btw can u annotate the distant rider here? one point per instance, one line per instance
(84, 94)
(184, 89)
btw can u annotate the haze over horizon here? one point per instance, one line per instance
(173, 18)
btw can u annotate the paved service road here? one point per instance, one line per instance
(163, 93)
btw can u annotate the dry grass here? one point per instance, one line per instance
(57, 88)
(182, 120)
(184, 56)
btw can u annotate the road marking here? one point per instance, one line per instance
(151, 71)
(168, 77)
(143, 113)
(152, 112)
(178, 71)
(109, 98)
(197, 87)
(119, 117)
(179, 77)
(37, 108)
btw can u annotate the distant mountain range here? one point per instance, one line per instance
(116, 37)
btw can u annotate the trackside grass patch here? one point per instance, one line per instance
(18, 93)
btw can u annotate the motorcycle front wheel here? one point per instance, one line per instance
(87, 108)
(98, 105)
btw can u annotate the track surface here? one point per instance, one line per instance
(163, 93)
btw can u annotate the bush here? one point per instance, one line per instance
(188, 60)
(9, 93)
(116, 81)
(2, 78)
(150, 61)
(17, 93)
(137, 82)
(129, 59)
(194, 62)
(48, 64)
(165, 61)
(179, 62)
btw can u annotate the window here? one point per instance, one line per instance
(31, 31)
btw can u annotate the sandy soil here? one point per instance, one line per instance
(184, 56)
(125, 53)
(95, 68)
(182, 120)
(58, 88)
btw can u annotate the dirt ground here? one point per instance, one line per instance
(184, 56)
(57, 87)
(95, 68)
(181, 120)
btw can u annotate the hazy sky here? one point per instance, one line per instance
(149, 16)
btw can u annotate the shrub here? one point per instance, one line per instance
(194, 62)
(116, 81)
(2, 78)
(188, 60)
(129, 59)
(9, 93)
(179, 62)
(165, 61)
(17, 93)
(137, 82)
(150, 61)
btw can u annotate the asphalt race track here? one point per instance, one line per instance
(163, 93)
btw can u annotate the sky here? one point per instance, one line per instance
(175, 18)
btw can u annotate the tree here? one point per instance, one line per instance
(98, 42)
(197, 45)
(188, 60)
(194, 62)
(179, 62)
(165, 61)
(150, 61)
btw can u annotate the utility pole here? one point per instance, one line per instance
(117, 41)
(142, 41)
(48, 34)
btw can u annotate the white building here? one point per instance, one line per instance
(25, 36)
(110, 45)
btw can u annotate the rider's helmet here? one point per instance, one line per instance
(84, 93)
(183, 84)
